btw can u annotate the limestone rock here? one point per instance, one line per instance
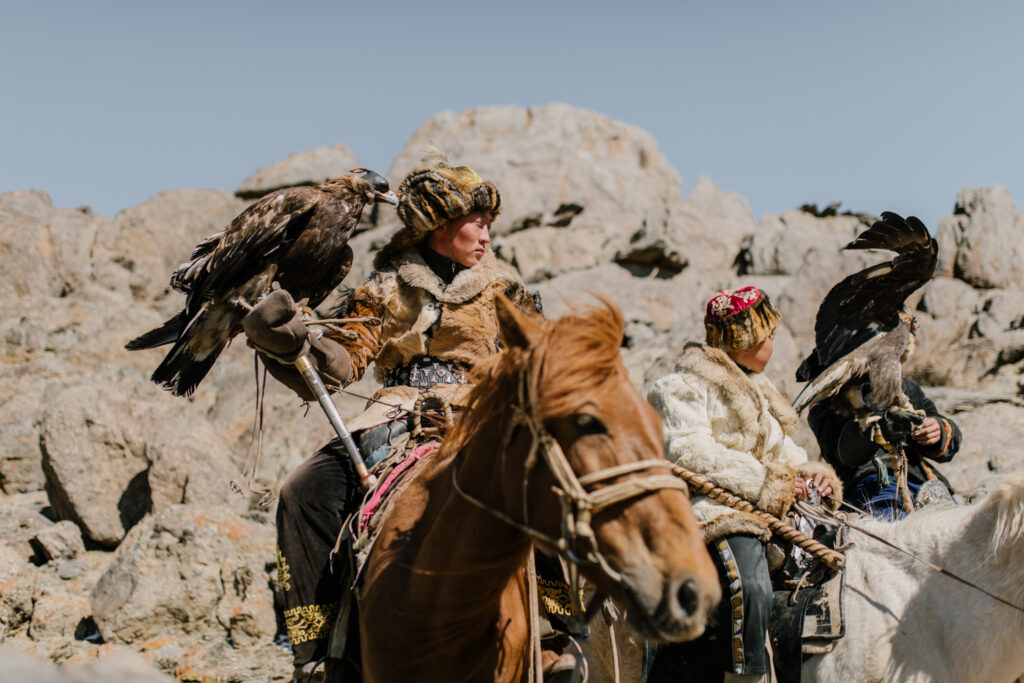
(151, 240)
(195, 570)
(117, 667)
(946, 297)
(998, 311)
(592, 181)
(988, 234)
(797, 241)
(62, 540)
(991, 435)
(44, 250)
(706, 232)
(109, 463)
(303, 168)
(18, 525)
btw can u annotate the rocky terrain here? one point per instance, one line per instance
(125, 551)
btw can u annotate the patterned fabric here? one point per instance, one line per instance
(555, 597)
(739, 319)
(310, 622)
(284, 575)
(423, 372)
(730, 301)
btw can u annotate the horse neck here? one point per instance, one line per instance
(469, 551)
(982, 543)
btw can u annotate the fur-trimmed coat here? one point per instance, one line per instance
(419, 316)
(734, 428)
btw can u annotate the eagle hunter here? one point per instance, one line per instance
(863, 329)
(296, 237)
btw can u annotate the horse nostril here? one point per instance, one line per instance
(689, 600)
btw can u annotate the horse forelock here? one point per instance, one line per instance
(578, 355)
(572, 357)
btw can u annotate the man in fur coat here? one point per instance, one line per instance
(433, 291)
(725, 420)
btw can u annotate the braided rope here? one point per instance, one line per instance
(701, 485)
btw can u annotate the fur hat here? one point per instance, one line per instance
(433, 195)
(739, 319)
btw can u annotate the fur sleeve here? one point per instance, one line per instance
(361, 340)
(690, 442)
(812, 467)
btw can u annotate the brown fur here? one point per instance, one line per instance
(444, 596)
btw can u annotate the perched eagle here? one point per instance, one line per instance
(863, 330)
(297, 237)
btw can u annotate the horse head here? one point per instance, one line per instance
(584, 467)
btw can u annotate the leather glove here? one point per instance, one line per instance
(896, 427)
(275, 324)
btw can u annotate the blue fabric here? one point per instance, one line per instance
(880, 502)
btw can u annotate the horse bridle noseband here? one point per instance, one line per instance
(578, 504)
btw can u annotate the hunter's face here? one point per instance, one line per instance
(465, 240)
(756, 359)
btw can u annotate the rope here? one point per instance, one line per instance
(833, 560)
(535, 672)
(840, 518)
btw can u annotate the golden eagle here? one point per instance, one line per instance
(863, 330)
(297, 237)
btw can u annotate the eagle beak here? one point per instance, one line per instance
(389, 197)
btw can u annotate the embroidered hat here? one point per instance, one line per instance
(739, 319)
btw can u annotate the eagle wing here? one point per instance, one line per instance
(230, 258)
(868, 302)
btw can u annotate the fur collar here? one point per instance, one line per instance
(413, 271)
(719, 369)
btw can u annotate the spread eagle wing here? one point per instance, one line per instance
(867, 303)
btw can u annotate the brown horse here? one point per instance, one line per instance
(445, 595)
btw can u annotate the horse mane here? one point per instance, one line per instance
(572, 357)
(1008, 503)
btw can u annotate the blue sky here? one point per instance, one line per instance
(881, 105)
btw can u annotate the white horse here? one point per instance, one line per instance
(904, 620)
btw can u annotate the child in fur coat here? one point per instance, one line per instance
(725, 420)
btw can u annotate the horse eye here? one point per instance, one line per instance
(588, 424)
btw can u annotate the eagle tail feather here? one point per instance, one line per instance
(165, 334)
(181, 372)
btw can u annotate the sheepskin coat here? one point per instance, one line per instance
(421, 316)
(733, 427)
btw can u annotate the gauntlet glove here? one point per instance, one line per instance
(276, 325)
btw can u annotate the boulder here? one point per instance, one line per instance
(998, 311)
(62, 540)
(116, 667)
(109, 463)
(947, 297)
(44, 250)
(987, 237)
(18, 525)
(589, 181)
(303, 168)
(151, 240)
(991, 426)
(18, 581)
(201, 572)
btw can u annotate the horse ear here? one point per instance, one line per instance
(517, 330)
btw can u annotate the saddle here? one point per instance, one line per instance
(807, 608)
(358, 534)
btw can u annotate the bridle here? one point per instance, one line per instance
(577, 543)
